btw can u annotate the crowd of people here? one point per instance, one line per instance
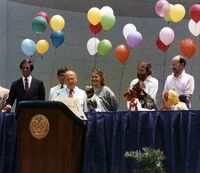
(97, 97)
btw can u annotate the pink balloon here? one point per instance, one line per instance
(162, 8)
(134, 39)
(166, 35)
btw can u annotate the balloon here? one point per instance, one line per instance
(134, 39)
(57, 38)
(39, 24)
(57, 22)
(122, 53)
(162, 8)
(167, 18)
(42, 46)
(195, 12)
(161, 45)
(104, 47)
(94, 15)
(43, 14)
(166, 35)
(128, 28)
(92, 45)
(95, 29)
(107, 21)
(177, 12)
(28, 47)
(194, 27)
(188, 47)
(107, 10)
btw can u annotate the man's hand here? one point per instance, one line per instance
(7, 108)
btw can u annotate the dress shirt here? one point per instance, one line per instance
(183, 84)
(151, 86)
(55, 91)
(79, 94)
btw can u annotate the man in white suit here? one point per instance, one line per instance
(55, 91)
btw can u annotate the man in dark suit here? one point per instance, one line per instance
(25, 88)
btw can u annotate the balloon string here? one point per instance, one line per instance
(54, 61)
(120, 83)
(165, 56)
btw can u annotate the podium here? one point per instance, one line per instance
(50, 138)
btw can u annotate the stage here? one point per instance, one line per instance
(110, 135)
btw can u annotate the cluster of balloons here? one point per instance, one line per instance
(39, 25)
(194, 23)
(170, 12)
(165, 38)
(133, 39)
(100, 18)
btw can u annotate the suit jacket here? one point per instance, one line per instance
(35, 92)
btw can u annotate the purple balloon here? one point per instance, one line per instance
(134, 39)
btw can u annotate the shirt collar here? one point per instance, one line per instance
(29, 78)
(183, 72)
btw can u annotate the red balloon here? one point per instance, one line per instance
(195, 12)
(43, 14)
(122, 53)
(95, 28)
(161, 45)
(188, 47)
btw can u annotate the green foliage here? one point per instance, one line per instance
(148, 160)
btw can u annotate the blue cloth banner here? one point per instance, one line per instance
(110, 135)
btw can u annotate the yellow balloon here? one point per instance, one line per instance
(57, 22)
(42, 46)
(177, 12)
(94, 15)
(172, 97)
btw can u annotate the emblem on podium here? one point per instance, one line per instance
(39, 126)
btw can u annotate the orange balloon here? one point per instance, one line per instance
(122, 53)
(188, 47)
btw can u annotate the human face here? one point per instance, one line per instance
(96, 80)
(61, 78)
(176, 66)
(71, 79)
(26, 69)
(141, 72)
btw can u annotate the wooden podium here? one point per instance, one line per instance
(50, 138)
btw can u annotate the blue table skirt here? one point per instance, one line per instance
(110, 135)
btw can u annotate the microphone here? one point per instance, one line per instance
(57, 94)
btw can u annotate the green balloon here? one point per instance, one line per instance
(104, 47)
(107, 21)
(39, 24)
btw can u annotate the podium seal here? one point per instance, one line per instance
(39, 126)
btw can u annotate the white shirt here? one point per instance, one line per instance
(29, 81)
(151, 86)
(183, 84)
(79, 94)
(55, 91)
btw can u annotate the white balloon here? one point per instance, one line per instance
(194, 27)
(166, 35)
(92, 45)
(106, 10)
(128, 28)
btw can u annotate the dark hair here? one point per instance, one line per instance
(147, 65)
(27, 61)
(100, 73)
(61, 70)
(182, 60)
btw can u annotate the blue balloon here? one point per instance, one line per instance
(57, 38)
(28, 47)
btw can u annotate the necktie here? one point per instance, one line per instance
(26, 84)
(61, 86)
(70, 93)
